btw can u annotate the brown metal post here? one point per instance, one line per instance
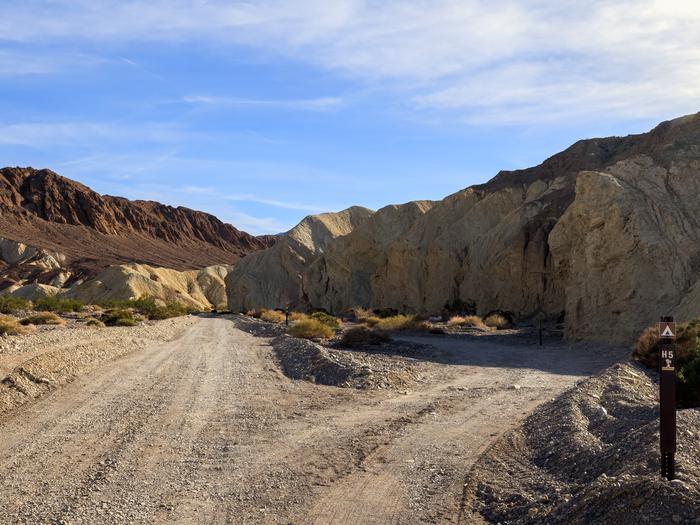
(667, 396)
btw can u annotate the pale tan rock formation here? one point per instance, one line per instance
(200, 289)
(272, 278)
(628, 248)
(604, 235)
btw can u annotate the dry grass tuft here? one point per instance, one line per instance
(297, 316)
(94, 322)
(497, 321)
(311, 329)
(469, 321)
(401, 322)
(272, 316)
(362, 314)
(371, 321)
(43, 318)
(11, 326)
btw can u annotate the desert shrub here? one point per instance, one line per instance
(327, 319)
(399, 322)
(311, 329)
(507, 315)
(470, 321)
(11, 326)
(273, 316)
(385, 313)
(361, 314)
(49, 318)
(647, 348)
(119, 317)
(461, 307)
(496, 321)
(687, 359)
(94, 322)
(54, 304)
(150, 308)
(371, 321)
(297, 316)
(361, 335)
(168, 311)
(10, 304)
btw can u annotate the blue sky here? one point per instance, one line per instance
(263, 112)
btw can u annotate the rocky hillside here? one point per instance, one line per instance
(605, 235)
(89, 232)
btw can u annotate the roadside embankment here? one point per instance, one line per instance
(591, 456)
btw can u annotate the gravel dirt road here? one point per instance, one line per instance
(207, 429)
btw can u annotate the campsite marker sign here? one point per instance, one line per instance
(667, 396)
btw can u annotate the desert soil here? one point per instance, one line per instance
(205, 428)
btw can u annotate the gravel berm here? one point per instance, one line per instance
(591, 456)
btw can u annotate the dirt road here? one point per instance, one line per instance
(206, 429)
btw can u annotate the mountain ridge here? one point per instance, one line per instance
(47, 211)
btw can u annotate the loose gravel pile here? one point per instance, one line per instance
(592, 456)
(55, 355)
(395, 365)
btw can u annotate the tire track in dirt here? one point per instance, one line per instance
(205, 429)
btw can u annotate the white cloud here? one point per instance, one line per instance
(42, 134)
(497, 61)
(255, 225)
(287, 205)
(313, 104)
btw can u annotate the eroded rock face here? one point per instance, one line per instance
(628, 248)
(604, 234)
(272, 278)
(200, 289)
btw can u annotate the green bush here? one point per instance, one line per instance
(10, 304)
(168, 311)
(327, 319)
(54, 304)
(119, 317)
(148, 307)
(311, 329)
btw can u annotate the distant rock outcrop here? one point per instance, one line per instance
(273, 278)
(605, 235)
(200, 289)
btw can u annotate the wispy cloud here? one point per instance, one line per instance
(287, 205)
(41, 134)
(312, 104)
(485, 61)
(256, 225)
